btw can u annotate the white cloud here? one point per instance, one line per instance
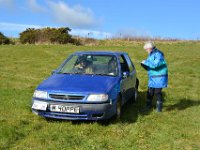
(59, 11)
(76, 17)
(4, 26)
(34, 6)
(17, 28)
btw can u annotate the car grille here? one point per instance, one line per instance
(66, 97)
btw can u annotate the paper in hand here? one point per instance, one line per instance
(143, 65)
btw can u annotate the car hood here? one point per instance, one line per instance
(75, 83)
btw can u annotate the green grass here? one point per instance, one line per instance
(23, 67)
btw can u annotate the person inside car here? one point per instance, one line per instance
(84, 66)
(112, 67)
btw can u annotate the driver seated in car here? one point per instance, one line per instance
(84, 66)
(112, 67)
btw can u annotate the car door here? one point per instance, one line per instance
(125, 80)
(132, 76)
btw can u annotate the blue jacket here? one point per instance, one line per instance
(156, 66)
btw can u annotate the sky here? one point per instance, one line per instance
(104, 18)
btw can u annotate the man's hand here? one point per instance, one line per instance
(143, 62)
(78, 66)
(144, 65)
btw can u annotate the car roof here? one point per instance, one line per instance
(100, 52)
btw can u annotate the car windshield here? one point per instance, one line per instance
(91, 64)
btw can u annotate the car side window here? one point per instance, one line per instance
(130, 63)
(123, 63)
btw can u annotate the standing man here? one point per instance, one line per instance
(156, 66)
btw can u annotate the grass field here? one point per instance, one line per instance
(23, 67)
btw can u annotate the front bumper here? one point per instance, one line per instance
(88, 111)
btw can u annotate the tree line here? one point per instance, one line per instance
(43, 36)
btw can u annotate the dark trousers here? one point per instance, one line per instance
(150, 93)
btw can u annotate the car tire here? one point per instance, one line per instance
(136, 90)
(134, 98)
(119, 108)
(135, 95)
(137, 83)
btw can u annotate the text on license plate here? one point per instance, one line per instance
(64, 108)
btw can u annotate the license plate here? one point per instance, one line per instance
(64, 108)
(39, 106)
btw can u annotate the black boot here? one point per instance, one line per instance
(147, 107)
(149, 104)
(159, 106)
(158, 92)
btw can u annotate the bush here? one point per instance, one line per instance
(47, 35)
(29, 36)
(4, 39)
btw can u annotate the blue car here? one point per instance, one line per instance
(87, 86)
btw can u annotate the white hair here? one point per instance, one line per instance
(149, 44)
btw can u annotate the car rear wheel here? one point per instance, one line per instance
(134, 98)
(136, 89)
(135, 95)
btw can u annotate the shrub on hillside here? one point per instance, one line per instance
(29, 36)
(47, 35)
(4, 39)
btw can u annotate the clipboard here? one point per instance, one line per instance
(144, 66)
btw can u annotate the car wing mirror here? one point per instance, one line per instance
(52, 72)
(125, 74)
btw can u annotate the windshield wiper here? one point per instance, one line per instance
(103, 74)
(71, 73)
(63, 73)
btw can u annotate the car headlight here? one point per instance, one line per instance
(39, 105)
(40, 94)
(97, 97)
